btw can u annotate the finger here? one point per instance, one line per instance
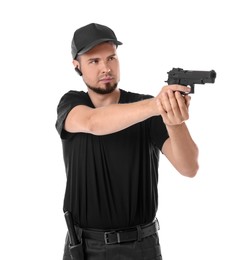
(160, 106)
(174, 98)
(167, 102)
(187, 99)
(168, 113)
(183, 109)
(180, 88)
(162, 112)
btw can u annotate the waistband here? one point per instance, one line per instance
(136, 233)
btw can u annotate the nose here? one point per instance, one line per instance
(105, 68)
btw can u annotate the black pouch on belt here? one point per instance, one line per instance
(77, 252)
(76, 246)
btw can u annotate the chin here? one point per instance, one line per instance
(109, 88)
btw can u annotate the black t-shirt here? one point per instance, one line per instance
(111, 179)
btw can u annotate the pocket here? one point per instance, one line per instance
(77, 252)
(151, 248)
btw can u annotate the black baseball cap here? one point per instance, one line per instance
(88, 36)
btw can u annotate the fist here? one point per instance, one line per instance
(173, 106)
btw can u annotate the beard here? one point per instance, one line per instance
(109, 88)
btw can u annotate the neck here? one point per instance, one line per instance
(102, 100)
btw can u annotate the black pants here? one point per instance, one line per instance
(146, 249)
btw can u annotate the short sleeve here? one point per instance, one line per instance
(158, 131)
(66, 104)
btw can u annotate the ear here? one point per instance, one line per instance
(76, 64)
(76, 67)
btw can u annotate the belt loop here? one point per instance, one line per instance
(157, 224)
(139, 233)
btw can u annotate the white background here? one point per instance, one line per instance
(207, 217)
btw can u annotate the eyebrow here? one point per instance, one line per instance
(112, 55)
(93, 59)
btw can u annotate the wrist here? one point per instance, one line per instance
(175, 127)
(153, 105)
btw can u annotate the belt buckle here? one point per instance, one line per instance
(106, 238)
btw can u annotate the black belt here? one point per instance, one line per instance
(125, 235)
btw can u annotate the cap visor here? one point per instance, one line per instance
(93, 44)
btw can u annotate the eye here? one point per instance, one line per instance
(93, 61)
(111, 58)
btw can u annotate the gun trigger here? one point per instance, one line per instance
(192, 89)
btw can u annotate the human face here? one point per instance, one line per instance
(100, 68)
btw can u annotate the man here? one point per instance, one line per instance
(111, 142)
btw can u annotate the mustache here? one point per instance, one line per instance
(107, 75)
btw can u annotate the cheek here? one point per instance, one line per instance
(89, 76)
(117, 70)
(118, 74)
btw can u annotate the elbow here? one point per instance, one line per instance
(191, 171)
(191, 174)
(192, 166)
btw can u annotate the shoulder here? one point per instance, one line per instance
(74, 97)
(128, 97)
(71, 99)
(73, 94)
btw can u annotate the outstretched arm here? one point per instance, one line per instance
(109, 119)
(179, 148)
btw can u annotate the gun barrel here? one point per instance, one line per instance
(190, 77)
